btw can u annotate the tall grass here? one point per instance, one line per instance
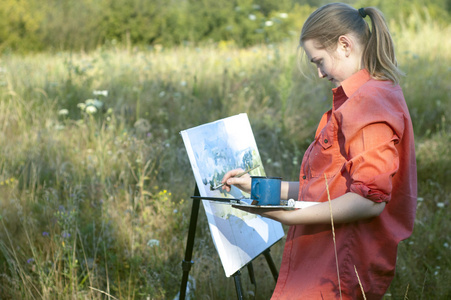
(97, 205)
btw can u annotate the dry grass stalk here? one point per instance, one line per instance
(361, 286)
(102, 292)
(333, 235)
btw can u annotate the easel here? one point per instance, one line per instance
(187, 262)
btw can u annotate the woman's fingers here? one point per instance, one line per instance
(230, 174)
(243, 182)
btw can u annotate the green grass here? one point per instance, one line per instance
(98, 204)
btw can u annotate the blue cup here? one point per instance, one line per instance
(266, 190)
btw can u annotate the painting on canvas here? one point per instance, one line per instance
(213, 149)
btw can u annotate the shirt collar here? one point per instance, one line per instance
(349, 87)
(353, 83)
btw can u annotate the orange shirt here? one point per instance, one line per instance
(365, 145)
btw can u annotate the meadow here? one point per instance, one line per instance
(95, 183)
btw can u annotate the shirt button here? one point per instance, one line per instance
(304, 177)
(326, 141)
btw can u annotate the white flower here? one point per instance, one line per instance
(63, 112)
(183, 83)
(446, 245)
(269, 23)
(94, 102)
(440, 204)
(283, 15)
(153, 243)
(98, 103)
(81, 106)
(252, 17)
(91, 109)
(102, 93)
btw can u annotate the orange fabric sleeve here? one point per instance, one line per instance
(373, 161)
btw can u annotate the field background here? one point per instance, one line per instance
(95, 183)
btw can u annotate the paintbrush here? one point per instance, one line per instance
(212, 188)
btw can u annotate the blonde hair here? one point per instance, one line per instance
(329, 22)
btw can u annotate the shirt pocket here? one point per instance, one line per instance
(324, 157)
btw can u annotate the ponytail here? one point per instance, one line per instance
(379, 53)
(330, 21)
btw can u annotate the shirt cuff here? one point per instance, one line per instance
(371, 194)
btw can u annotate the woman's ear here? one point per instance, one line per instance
(345, 45)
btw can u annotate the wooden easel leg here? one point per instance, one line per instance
(187, 262)
(271, 264)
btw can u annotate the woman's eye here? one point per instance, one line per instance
(318, 62)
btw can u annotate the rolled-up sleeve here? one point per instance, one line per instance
(373, 161)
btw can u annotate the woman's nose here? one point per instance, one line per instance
(321, 74)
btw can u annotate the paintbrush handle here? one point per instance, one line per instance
(245, 172)
(236, 176)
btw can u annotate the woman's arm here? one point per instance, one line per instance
(289, 190)
(347, 208)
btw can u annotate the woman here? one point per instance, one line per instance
(362, 159)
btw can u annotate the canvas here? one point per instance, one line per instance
(213, 149)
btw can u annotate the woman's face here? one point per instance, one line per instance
(336, 65)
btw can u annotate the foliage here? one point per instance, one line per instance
(95, 202)
(31, 25)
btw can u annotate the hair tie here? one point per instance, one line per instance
(362, 12)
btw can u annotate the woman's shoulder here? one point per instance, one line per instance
(380, 93)
(383, 87)
(375, 101)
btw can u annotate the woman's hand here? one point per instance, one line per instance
(243, 182)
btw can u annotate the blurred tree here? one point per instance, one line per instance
(132, 21)
(19, 25)
(70, 25)
(32, 25)
(269, 6)
(437, 9)
(212, 19)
